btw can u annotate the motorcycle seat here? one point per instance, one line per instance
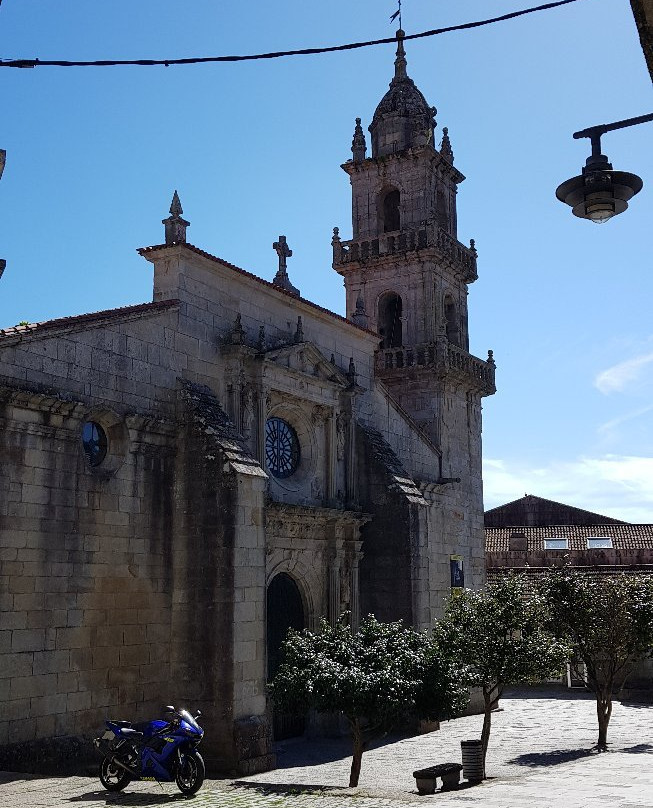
(128, 732)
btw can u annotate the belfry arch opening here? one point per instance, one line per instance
(389, 320)
(451, 319)
(390, 211)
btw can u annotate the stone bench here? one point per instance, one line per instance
(426, 779)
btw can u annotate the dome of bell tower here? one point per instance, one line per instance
(403, 119)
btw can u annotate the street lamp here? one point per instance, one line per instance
(600, 193)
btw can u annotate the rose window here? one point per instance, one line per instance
(281, 448)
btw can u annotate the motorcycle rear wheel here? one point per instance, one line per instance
(112, 777)
(190, 772)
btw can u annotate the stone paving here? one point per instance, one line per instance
(540, 757)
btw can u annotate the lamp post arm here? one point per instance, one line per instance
(594, 132)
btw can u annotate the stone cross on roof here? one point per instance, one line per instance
(281, 279)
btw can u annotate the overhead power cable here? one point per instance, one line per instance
(277, 54)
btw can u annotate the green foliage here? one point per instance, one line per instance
(376, 678)
(499, 636)
(381, 673)
(607, 619)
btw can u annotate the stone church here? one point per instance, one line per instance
(182, 480)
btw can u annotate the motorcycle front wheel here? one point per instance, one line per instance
(190, 772)
(112, 777)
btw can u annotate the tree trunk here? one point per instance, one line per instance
(487, 724)
(603, 712)
(359, 748)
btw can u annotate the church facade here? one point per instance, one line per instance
(182, 480)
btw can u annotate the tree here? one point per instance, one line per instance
(498, 636)
(376, 678)
(608, 621)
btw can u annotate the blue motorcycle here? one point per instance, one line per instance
(157, 750)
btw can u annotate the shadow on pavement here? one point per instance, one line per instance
(638, 749)
(553, 758)
(286, 789)
(553, 691)
(300, 752)
(127, 798)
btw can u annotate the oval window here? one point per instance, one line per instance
(94, 441)
(281, 448)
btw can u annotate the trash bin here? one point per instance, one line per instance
(472, 752)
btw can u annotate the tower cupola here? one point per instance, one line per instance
(403, 118)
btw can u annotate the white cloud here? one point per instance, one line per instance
(616, 378)
(619, 486)
(610, 426)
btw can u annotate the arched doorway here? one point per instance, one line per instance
(389, 321)
(285, 609)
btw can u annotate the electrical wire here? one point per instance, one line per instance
(22, 63)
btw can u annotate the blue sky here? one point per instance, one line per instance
(94, 154)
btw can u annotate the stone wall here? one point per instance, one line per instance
(86, 560)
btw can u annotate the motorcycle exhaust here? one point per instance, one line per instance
(126, 768)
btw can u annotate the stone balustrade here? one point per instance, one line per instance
(406, 240)
(443, 357)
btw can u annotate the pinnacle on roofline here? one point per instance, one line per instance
(400, 61)
(175, 226)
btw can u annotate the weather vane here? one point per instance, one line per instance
(397, 14)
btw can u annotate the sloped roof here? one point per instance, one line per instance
(539, 512)
(80, 321)
(383, 453)
(624, 536)
(219, 431)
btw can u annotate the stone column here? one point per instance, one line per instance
(332, 455)
(334, 590)
(352, 489)
(354, 603)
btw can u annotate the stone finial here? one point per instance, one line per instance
(237, 332)
(281, 279)
(360, 315)
(337, 246)
(445, 147)
(261, 338)
(351, 373)
(3, 266)
(175, 226)
(400, 61)
(299, 332)
(472, 247)
(358, 144)
(490, 358)
(333, 359)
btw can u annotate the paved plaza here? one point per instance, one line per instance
(540, 757)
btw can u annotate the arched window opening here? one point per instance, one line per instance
(451, 318)
(391, 217)
(389, 321)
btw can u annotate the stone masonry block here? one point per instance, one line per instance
(27, 640)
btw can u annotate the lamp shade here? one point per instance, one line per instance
(599, 193)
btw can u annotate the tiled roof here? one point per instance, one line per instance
(146, 250)
(92, 318)
(624, 536)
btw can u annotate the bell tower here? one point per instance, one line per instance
(406, 274)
